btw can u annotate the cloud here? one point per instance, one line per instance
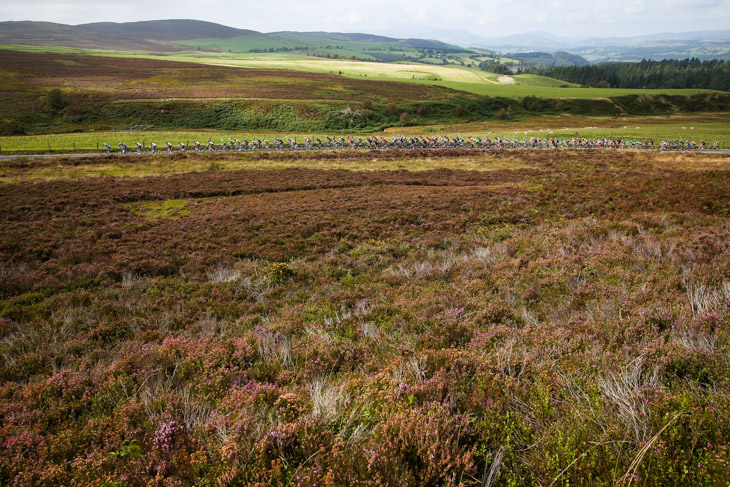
(501, 17)
(695, 4)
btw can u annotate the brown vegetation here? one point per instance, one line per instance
(129, 78)
(565, 322)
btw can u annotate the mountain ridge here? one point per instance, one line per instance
(172, 35)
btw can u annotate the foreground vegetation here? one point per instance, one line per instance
(552, 318)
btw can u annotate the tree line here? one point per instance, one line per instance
(668, 73)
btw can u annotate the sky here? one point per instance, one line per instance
(487, 18)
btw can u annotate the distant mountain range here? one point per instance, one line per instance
(175, 35)
(171, 35)
(710, 44)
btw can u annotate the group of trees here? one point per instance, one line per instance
(671, 73)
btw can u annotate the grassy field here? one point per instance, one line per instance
(341, 46)
(77, 167)
(707, 127)
(145, 165)
(470, 80)
(552, 317)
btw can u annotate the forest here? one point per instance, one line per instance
(668, 73)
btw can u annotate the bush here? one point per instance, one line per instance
(278, 272)
(10, 128)
(56, 100)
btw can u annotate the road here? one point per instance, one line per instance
(11, 157)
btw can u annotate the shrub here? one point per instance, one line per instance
(56, 100)
(405, 118)
(278, 272)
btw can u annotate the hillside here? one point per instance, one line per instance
(367, 38)
(154, 36)
(51, 34)
(167, 30)
(181, 34)
(703, 45)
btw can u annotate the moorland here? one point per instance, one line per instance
(351, 317)
(451, 318)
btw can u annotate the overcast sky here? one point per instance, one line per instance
(573, 18)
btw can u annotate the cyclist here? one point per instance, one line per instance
(107, 148)
(153, 147)
(123, 147)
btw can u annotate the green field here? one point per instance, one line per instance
(344, 46)
(470, 80)
(708, 127)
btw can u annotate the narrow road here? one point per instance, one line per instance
(132, 154)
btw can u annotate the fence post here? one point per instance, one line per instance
(49, 146)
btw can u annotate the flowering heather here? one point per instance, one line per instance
(562, 322)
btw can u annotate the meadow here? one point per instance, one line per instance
(709, 127)
(393, 318)
(95, 96)
(469, 80)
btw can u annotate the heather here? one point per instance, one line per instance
(559, 319)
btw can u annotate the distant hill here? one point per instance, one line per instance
(711, 44)
(319, 37)
(51, 34)
(154, 35)
(545, 59)
(168, 30)
(182, 34)
(342, 45)
(406, 43)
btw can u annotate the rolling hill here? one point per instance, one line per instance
(713, 44)
(154, 35)
(167, 30)
(51, 34)
(182, 34)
